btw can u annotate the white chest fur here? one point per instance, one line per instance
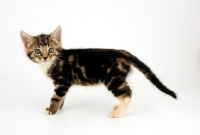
(45, 66)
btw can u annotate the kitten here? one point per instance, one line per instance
(85, 67)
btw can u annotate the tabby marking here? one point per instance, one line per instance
(85, 67)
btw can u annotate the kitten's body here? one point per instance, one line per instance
(86, 67)
(89, 66)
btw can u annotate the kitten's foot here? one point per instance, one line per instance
(120, 109)
(115, 107)
(116, 112)
(49, 111)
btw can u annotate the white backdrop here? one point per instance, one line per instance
(163, 34)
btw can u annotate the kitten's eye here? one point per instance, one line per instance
(37, 51)
(51, 50)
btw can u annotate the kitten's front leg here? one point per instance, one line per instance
(57, 99)
(62, 103)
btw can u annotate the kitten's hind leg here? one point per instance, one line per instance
(121, 90)
(115, 81)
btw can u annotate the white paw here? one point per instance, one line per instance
(115, 107)
(116, 112)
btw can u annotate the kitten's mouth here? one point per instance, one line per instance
(46, 61)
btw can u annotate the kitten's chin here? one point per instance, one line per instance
(45, 62)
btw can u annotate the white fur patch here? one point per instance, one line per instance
(44, 66)
(120, 109)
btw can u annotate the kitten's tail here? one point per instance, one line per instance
(151, 76)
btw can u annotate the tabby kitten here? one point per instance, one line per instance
(85, 67)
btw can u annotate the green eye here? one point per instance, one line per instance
(37, 51)
(51, 50)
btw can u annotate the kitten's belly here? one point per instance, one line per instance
(87, 83)
(84, 80)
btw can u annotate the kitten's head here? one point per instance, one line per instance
(42, 48)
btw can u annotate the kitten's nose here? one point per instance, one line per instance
(45, 58)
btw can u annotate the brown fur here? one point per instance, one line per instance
(85, 67)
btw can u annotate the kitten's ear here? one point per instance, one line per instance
(26, 39)
(56, 35)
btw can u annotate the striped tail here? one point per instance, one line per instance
(151, 76)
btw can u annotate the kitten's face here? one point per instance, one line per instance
(42, 48)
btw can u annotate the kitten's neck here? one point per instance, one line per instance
(45, 66)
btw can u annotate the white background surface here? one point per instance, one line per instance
(163, 34)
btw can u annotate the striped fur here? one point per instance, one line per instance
(86, 67)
